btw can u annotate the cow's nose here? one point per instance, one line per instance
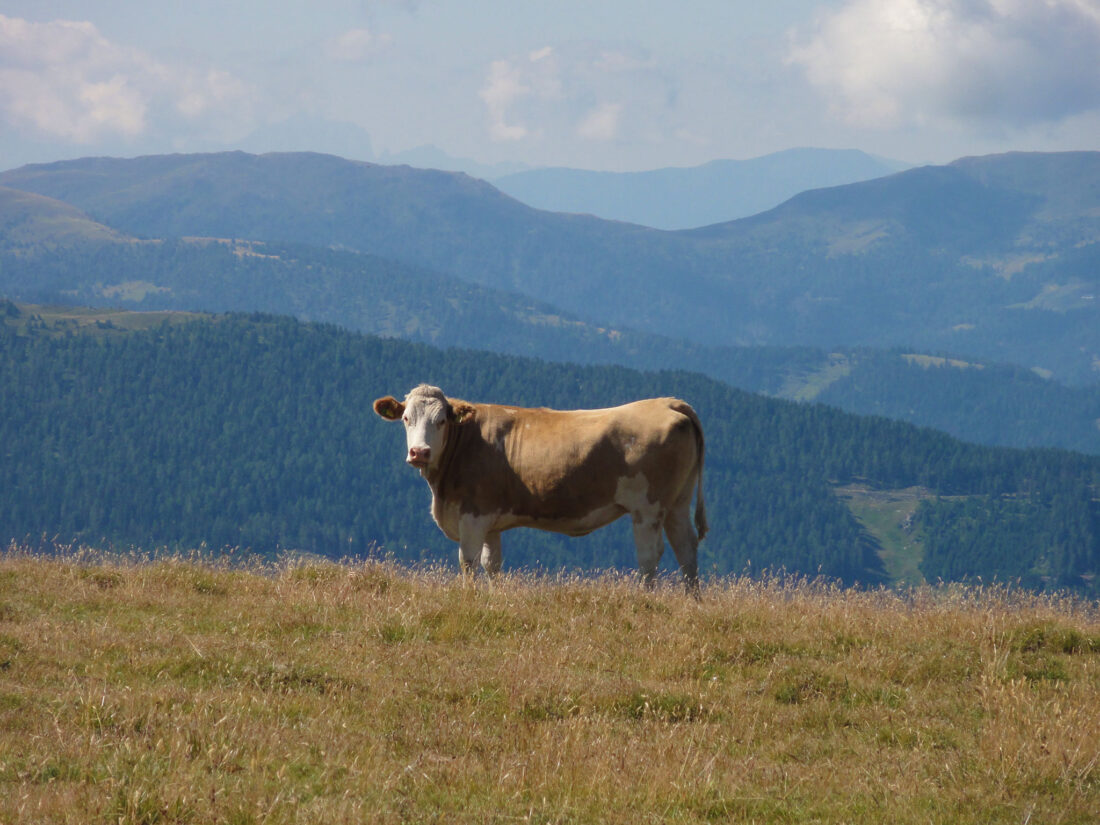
(419, 455)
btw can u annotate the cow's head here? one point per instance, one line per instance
(427, 414)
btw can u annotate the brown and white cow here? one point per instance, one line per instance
(492, 467)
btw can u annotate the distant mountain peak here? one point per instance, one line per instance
(687, 197)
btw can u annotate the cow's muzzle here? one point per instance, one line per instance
(419, 457)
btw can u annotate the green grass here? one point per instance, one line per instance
(806, 386)
(885, 514)
(181, 692)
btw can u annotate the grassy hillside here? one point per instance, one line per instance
(63, 320)
(177, 692)
(28, 220)
(890, 516)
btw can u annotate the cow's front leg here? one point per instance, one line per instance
(473, 532)
(490, 554)
(466, 564)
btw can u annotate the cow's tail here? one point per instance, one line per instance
(701, 525)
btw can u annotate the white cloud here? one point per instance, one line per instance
(214, 90)
(502, 88)
(583, 92)
(113, 104)
(63, 79)
(602, 123)
(1011, 63)
(540, 54)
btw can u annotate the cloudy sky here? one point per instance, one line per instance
(598, 84)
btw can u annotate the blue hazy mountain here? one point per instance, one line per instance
(994, 258)
(682, 198)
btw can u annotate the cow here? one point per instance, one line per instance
(493, 467)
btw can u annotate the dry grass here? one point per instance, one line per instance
(176, 691)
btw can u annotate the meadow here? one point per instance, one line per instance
(188, 691)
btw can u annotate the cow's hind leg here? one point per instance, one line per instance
(685, 544)
(649, 544)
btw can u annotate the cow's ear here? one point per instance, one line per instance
(389, 408)
(463, 411)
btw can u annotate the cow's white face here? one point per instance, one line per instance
(425, 420)
(426, 414)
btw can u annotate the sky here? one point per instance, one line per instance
(616, 85)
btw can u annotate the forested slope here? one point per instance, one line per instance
(257, 432)
(985, 402)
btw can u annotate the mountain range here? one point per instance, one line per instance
(959, 296)
(993, 259)
(990, 257)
